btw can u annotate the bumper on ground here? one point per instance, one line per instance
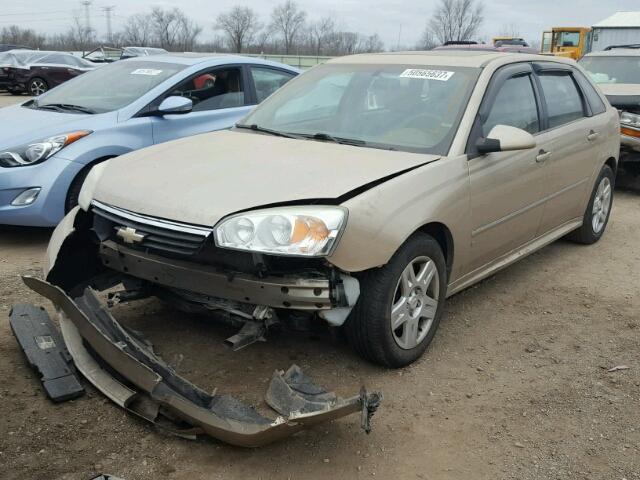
(156, 393)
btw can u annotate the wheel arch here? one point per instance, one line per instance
(613, 163)
(442, 234)
(83, 171)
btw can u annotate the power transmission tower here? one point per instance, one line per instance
(87, 15)
(107, 12)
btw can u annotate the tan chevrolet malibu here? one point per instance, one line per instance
(361, 194)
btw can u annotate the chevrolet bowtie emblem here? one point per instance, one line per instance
(129, 235)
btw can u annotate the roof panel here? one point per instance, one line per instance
(621, 19)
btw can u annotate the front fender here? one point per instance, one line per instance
(65, 228)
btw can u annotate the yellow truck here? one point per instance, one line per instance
(570, 42)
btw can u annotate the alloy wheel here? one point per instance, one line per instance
(601, 205)
(415, 302)
(38, 87)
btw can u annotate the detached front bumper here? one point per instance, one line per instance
(152, 390)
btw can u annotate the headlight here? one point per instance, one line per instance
(309, 231)
(630, 119)
(39, 151)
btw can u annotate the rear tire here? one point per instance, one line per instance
(37, 86)
(596, 216)
(410, 291)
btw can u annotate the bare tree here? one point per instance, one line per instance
(188, 33)
(240, 25)
(137, 31)
(321, 32)
(456, 20)
(427, 40)
(16, 35)
(287, 19)
(173, 30)
(79, 36)
(371, 44)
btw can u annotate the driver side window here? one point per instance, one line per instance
(514, 106)
(212, 90)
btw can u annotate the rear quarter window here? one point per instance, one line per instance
(595, 101)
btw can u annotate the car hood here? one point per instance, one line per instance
(616, 89)
(201, 179)
(23, 125)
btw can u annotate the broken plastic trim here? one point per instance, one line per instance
(163, 395)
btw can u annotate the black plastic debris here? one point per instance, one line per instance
(45, 351)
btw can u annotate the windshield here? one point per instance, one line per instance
(401, 107)
(110, 87)
(567, 39)
(612, 69)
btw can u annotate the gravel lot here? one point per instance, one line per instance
(515, 385)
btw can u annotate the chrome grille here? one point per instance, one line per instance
(160, 235)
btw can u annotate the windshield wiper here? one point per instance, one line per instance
(331, 138)
(66, 107)
(257, 128)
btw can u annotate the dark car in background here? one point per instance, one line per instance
(34, 72)
(4, 47)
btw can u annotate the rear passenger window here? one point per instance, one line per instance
(267, 81)
(514, 106)
(564, 103)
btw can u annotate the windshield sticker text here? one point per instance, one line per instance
(146, 71)
(441, 75)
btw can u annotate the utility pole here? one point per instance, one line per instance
(107, 12)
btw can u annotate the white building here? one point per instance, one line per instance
(621, 28)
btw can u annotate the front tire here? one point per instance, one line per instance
(596, 216)
(37, 86)
(400, 304)
(74, 189)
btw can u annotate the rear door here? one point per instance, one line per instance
(573, 140)
(220, 98)
(506, 188)
(266, 80)
(57, 69)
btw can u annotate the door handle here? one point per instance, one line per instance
(592, 136)
(543, 156)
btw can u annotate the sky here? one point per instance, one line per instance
(397, 22)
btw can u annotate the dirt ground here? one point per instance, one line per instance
(514, 386)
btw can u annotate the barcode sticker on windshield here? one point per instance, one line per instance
(441, 75)
(146, 71)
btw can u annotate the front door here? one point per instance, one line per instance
(506, 188)
(219, 101)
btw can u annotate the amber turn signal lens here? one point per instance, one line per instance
(630, 132)
(74, 136)
(309, 227)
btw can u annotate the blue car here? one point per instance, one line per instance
(49, 144)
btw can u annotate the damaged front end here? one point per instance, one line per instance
(84, 256)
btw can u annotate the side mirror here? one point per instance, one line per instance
(503, 138)
(175, 105)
